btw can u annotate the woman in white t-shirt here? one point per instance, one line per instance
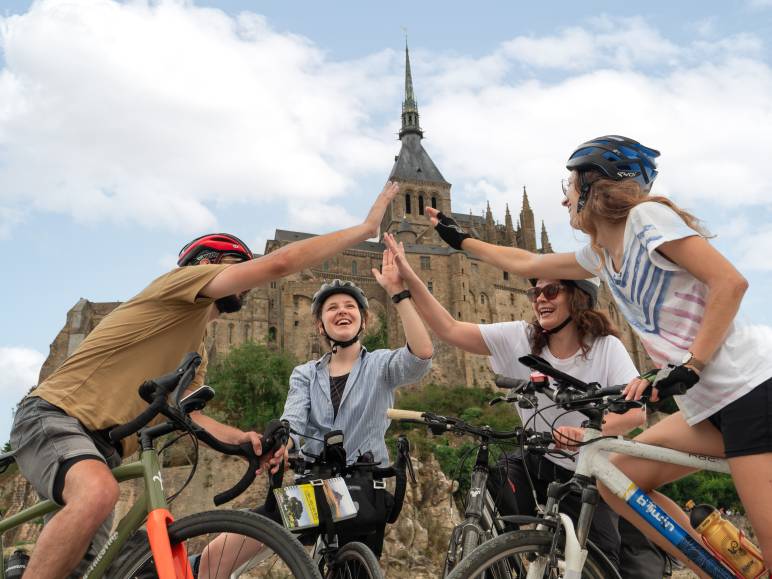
(681, 296)
(575, 338)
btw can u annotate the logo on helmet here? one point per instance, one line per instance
(625, 174)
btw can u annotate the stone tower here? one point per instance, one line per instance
(527, 232)
(422, 184)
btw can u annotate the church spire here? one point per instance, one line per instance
(409, 105)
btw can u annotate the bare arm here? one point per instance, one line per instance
(300, 254)
(521, 262)
(615, 424)
(459, 334)
(726, 287)
(417, 337)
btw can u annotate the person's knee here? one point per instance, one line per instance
(91, 489)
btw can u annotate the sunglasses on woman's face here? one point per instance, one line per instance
(550, 292)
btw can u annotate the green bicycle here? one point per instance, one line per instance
(179, 549)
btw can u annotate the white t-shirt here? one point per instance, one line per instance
(665, 305)
(607, 363)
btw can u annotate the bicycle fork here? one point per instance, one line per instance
(575, 538)
(171, 562)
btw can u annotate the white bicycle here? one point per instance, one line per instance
(555, 547)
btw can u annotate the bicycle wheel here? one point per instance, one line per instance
(354, 561)
(518, 551)
(464, 539)
(235, 554)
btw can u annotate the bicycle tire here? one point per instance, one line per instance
(464, 539)
(200, 529)
(354, 561)
(519, 548)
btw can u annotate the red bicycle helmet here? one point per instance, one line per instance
(221, 243)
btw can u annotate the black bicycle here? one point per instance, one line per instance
(335, 555)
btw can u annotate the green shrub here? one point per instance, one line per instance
(252, 382)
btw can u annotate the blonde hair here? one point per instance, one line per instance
(612, 201)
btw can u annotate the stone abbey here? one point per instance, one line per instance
(279, 313)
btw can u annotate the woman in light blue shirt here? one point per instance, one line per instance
(349, 388)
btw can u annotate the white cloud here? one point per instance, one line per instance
(161, 112)
(19, 369)
(754, 249)
(711, 119)
(151, 112)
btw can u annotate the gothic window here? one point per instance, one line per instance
(506, 276)
(408, 208)
(270, 304)
(297, 323)
(430, 286)
(353, 268)
(420, 205)
(247, 328)
(426, 262)
(511, 298)
(482, 299)
(273, 285)
(296, 301)
(459, 315)
(230, 333)
(434, 202)
(272, 334)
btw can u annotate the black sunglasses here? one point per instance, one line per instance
(550, 291)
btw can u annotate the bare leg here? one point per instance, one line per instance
(227, 552)
(752, 476)
(672, 432)
(90, 493)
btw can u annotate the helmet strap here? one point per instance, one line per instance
(335, 344)
(557, 328)
(584, 192)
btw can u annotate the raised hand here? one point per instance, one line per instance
(374, 217)
(447, 228)
(389, 277)
(398, 253)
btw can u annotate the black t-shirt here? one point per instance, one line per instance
(337, 386)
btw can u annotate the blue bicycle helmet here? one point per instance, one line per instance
(617, 158)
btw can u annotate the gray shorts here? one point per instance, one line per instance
(45, 438)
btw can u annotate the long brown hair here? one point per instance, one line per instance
(590, 323)
(612, 201)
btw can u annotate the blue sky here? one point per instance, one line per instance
(127, 128)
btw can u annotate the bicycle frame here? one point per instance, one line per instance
(593, 462)
(171, 562)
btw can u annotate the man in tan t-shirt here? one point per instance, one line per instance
(58, 431)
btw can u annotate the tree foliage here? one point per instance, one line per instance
(378, 340)
(252, 382)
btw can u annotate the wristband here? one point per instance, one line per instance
(404, 294)
(450, 231)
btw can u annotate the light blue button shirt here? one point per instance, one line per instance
(368, 394)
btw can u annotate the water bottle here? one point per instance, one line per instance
(727, 542)
(17, 563)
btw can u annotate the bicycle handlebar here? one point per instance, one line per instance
(439, 424)
(156, 393)
(158, 390)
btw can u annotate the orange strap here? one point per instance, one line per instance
(170, 562)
